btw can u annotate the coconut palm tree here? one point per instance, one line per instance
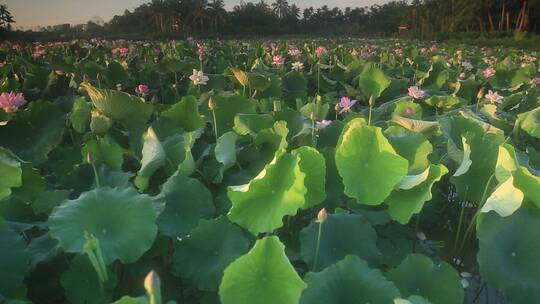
(280, 7)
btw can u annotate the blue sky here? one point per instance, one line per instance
(49, 12)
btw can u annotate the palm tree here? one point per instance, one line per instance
(5, 18)
(217, 13)
(280, 7)
(200, 13)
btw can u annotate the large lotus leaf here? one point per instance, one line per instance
(186, 200)
(505, 199)
(373, 82)
(276, 191)
(403, 203)
(530, 122)
(368, 164)
(436, 77)
(295, 81)
(121, 219)
(154, 157)
(104, 151)
(127, 109)
(349, 281)
(412, 146)
(34, 132)
(316, 110)
(15, 259)
(404, 108)
(445, 102)
(264, 275)
(245, 124)
(82, 284)
(416, 125)
(529, 184)
(361, 240)
(418, 275)
(185, 113)
(80, 115)
(202, 256)
(313, 165)
(225, 150)
(484, 150)
(12, 172)
(226, 107)
(508, 251)
(414, 299)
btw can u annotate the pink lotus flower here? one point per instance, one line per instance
(535, 81)
(320, 51)
(319, 125)
(278, 60)
(423, 51)
(142, 89)
(345, 103)
(201, 50)
(120, 51)
(198, 78)
(11, 101)
(493, 97)
(399, 52)
(354, 53)
(489, 72)
(38, 53)
(17, 47)
(416, 93)
(294, 52)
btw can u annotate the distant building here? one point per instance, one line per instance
(403, 28)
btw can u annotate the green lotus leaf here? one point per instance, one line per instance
(411, 181)
(121, 219)
(225, 149)
(185, 113)
(505, 200)
(414, 299)
(313, 165)
(416, 125)
(361, 240)
(15, 260)
(445, 102)
(436, 77)
(131, 300)
(403, 203)
(241, 76)
(484, 151)
(104, 151)
(202, 256)
(12, 172)
(82, 284)
(316, 110)
(131, 111)
(186, 200)
(226, 107)
(276, 191)
(34, 132)
(245, 124)
(530, 122)
(153, 158)
(80, 115)
(368, 164)
(373, 82)
(45, 203)
(348, 281)
(403, 109)
(412, 146)
(264, 275)
(295, 81)
(508, 247)
(529, 184)
(418, 275)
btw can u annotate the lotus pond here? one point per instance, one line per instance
(284, 172)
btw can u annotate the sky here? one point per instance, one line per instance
(31, 13)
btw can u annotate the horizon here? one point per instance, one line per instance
(31, 15)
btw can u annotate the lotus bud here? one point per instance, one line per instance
(152, 282)
(480, 94)
(322, 216)
(89, 158)
(211, 104)
(312, 116)
(99, 123)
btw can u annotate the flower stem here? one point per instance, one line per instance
(215, 124)
(316, 260)
(370, 109)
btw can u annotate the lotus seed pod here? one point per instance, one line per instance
(100, 124)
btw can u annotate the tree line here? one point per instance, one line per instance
(422, 18)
